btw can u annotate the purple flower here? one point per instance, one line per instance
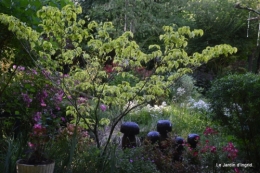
(103, 107)
(26, 99)
(63, 119)
(131, 161)
(37, 116)
(44, 94)
(21, 68)
(34, 71)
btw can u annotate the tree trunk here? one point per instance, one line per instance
(258, 61)
(251, 59)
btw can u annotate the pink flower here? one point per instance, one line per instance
(37, 126)
(31, 145)
(231, 150)
(43, 104)
(103, 107)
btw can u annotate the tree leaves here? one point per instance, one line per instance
(73, 43)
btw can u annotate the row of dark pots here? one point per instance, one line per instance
(131, 129)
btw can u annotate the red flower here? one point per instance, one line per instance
(213, 149)
(209, 131)
(195, 154)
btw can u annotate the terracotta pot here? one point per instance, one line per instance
(25, 168)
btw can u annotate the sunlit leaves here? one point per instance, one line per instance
(20, 29)
(65, 39)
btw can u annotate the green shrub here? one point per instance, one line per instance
(183, 89)
(235, 102)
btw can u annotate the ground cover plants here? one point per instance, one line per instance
(83, 82)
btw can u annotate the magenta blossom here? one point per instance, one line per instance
(103, 107)
(31, 145)
(230, 150)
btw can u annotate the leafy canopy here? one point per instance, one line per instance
(64, 38)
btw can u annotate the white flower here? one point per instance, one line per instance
(235, 106)
(202, 105)
(164, 104)
(180, 91)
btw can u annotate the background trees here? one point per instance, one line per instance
(220, 20)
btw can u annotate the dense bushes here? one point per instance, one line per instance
(235, 101)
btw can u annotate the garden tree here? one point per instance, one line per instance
(252, 58)
(222, 23)
(93, 86)
(11, 51)
(144, 19)
(219, 19)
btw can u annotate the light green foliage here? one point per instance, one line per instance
(25, 10)
(19, 28)
(62, 34)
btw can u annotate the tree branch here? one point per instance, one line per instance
(238, 5)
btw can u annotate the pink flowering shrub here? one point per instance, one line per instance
(37, 100)
(231, 151)
(82, 134)
(210, 152)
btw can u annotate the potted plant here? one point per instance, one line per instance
(37, 160)
(39, 99)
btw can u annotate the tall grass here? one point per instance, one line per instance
(184, 119)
